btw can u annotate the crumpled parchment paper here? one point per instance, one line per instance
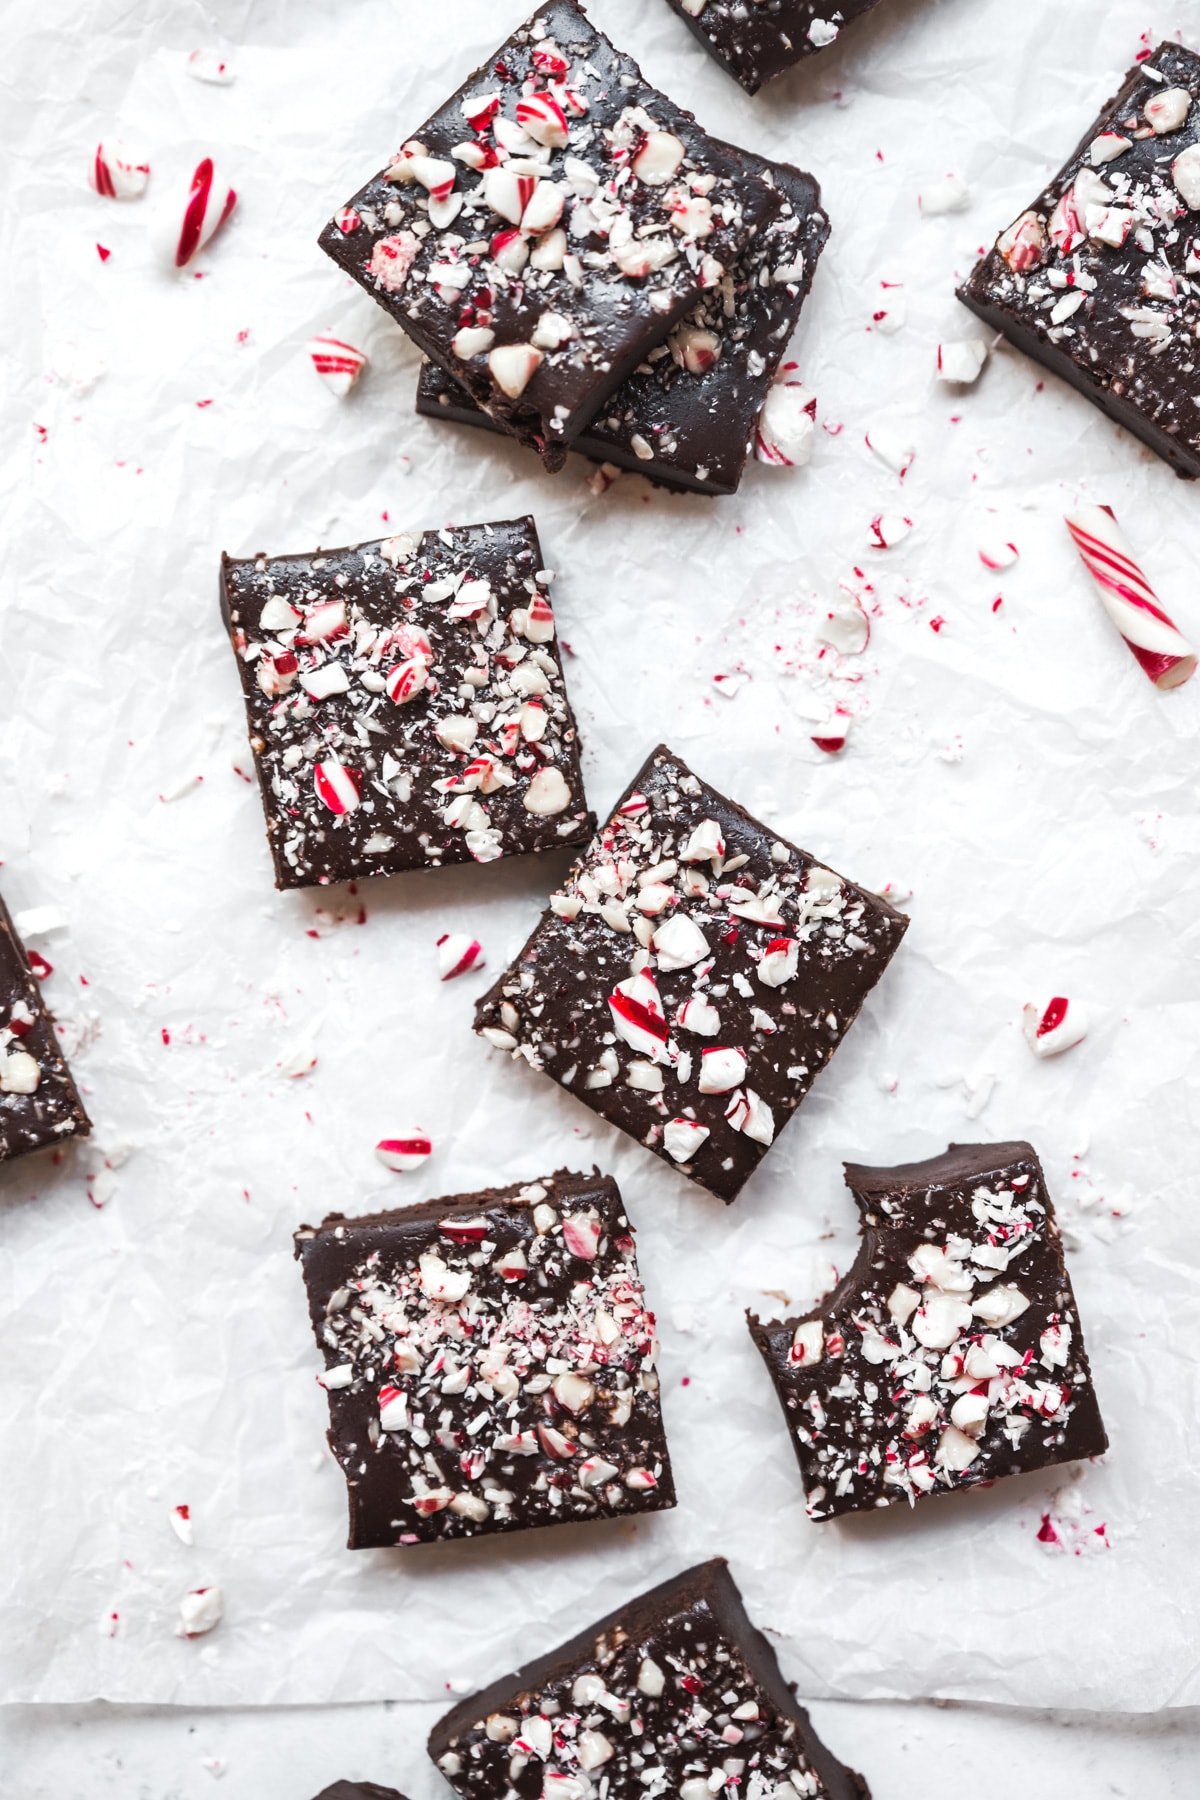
(1007, 763)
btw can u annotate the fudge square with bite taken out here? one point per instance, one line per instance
(692, 976)
(759, 39)
(406, 705)
(951, 1353)
(673, 1694)
(489, 1362)
(1100, 278)
(39, 1102)
(548, 225)
(689, 415)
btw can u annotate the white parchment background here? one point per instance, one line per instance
(1014, 769)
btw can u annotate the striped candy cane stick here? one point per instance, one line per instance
(1129, 600)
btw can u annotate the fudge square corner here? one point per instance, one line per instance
(692, 976)
(1099, 279)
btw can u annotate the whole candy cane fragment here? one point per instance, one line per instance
(1129, 600)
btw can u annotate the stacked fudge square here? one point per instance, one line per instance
(583, 266)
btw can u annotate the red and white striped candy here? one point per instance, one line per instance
(339, 365)
(393, 1409)
(338, 787)
(193, 215)
(638, 1017)
(1055, 1027)
(458, 954)
(581, 1234)
(118, 172)
(1131, 603)
(539, 620)
(548, 61)
(543, 118)
(406, 680)
(508, 194)
(404, 1153)
(479, 110)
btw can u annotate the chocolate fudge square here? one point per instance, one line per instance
(952, 1353)
(692, 977)
(489, 1361)
(686, 417)
(548, 225)
(359, 1790)
(759, 39)
(406, 705)
(39, 1102)
(674, 1693)
(1097, 280)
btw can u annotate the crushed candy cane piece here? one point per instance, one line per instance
(339, 365)
(403, 1154)
(1055, 1027)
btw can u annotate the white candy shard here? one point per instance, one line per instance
(721, 1070)
(950, 195)
(513, 367)
(1185, 173)
(210, 66)
(682, 1138)
(1167, 110)
(547, 793)
(786, 426)
(893, 448)
(201, 1611)
(962, 361)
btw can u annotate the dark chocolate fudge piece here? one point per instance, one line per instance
(673, 1694)
(952, 1352)
(359, 1790)
(759, 39)
(39, 1102)
(686, 417)
(490, 1362)
(406, 707)
(546, 227)
(692, 976)
(1098, 279)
